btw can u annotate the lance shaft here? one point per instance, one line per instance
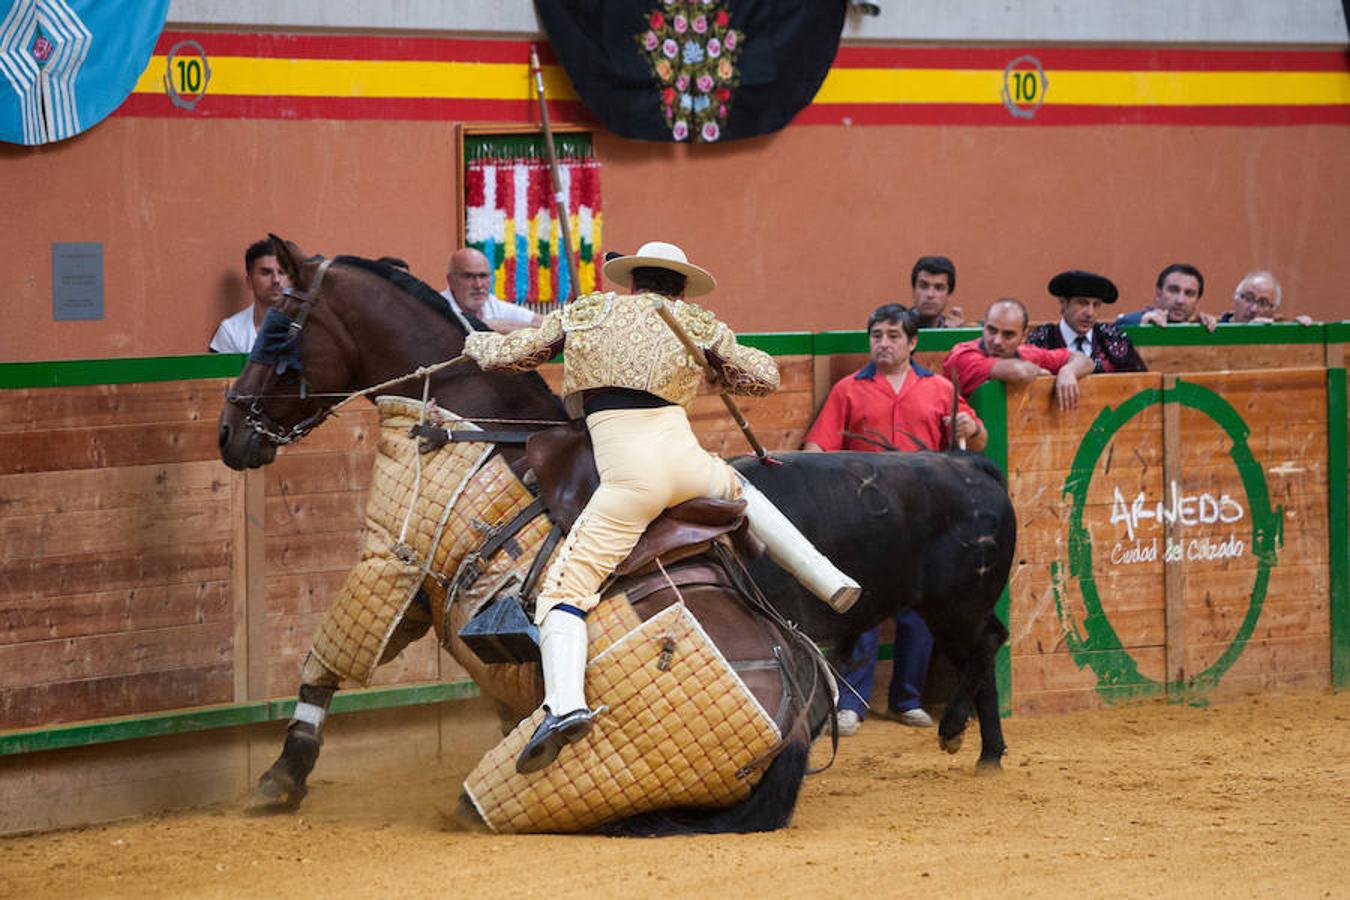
(663, 310)
(559, 198)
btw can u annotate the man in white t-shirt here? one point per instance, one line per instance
(266, 280)
(469, 276)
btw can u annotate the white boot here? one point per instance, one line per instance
(789, 548)
(562, 649)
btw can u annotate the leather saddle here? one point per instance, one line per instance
(564, 468)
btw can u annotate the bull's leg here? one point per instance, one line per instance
(952, 728)
(284, 783)
(992, 747)
(977, 670)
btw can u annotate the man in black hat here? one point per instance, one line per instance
(1081, 295)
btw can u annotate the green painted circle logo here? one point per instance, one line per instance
(1097, 645)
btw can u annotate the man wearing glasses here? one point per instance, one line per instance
(1257, 299)
(470, 278)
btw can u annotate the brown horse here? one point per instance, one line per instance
(348, 324)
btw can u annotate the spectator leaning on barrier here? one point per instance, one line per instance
(1176, 299)
(1257, 299)
(1001, 355)
(469, 278)
(933, 281)
(266, 281)
(891, 403)
(1081, 295)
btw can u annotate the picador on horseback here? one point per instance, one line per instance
(706, 659)
(633, 379)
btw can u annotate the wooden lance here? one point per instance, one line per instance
(668, 317)
(559, 198)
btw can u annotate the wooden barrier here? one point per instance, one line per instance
(1173, 538)
(140, 576)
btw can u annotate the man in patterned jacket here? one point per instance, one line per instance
(1081, 295)
(634, 380)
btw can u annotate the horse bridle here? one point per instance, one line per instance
(255, 417)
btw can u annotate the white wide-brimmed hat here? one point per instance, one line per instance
(660, 255)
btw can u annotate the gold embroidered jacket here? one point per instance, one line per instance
(618, 340)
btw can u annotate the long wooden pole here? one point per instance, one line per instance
(559, 198)
(668, 317)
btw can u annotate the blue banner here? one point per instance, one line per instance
(67, 64)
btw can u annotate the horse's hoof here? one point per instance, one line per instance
(989, 766)
(278, 789)
(283, 785)
(950, 744)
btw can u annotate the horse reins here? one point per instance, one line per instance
(257, 419)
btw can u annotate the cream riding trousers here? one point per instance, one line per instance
(649, 460)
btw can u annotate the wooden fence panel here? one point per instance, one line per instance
(116, 525)
(1231, 357)
(1195, 564)
(129, 584)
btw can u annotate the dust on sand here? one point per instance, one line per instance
(1247, 798)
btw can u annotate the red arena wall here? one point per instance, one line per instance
(1231, 160)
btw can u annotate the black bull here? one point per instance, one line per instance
(932, 531)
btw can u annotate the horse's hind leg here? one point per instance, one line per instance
(284, 783)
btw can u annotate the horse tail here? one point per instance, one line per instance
(768, 808)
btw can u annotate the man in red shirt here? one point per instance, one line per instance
(891, 400)
(1000, 355)
(891, 403)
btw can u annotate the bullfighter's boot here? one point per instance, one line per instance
(567, 718)
(789, 548)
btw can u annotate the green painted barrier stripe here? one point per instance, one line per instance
(990, 402)
(788, 343)
(386, 698)
(1276, 333)
(70, 373)
(828, 343)
(83, 734)
(1338, 530)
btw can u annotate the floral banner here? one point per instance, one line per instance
(693, 53)
(696, 71)
(510, 216)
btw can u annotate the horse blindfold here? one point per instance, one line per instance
(278, 344)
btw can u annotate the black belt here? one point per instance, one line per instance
(599, 399)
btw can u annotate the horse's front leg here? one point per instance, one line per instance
(283, 784)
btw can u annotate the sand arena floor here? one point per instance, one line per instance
(1248, 798)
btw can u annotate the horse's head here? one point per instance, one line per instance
(288, 385)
